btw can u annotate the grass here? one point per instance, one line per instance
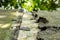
(5, 33)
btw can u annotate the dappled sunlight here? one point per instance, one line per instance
(25, 15)
(1, 25)
(2, 16)
(5, 25)
(16, 14)
(28, 3)
(19, 14)
(13, 13)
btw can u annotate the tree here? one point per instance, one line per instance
(30, 5)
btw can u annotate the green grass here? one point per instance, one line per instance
(5, 34)
(6, 19)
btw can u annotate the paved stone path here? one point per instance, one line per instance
(25, 28)
(28, 29)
